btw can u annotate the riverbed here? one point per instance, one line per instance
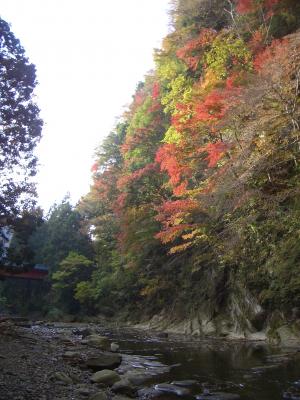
(36, 362)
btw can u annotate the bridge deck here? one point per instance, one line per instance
(32, 274)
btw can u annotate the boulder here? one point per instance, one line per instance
(137, 378)
(124, 386)
(99, 396)
(83, 390)
(114, 347)
(101, 342)
(107, 377)
(104, 360)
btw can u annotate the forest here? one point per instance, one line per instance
(193, 215)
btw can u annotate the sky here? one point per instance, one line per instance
(89, 56)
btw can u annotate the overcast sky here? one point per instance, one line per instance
(89, 56)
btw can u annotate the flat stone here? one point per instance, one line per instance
(106, 377)
(99, 396)
(169, 388)
(137, 378)
(101, 342)
(187, 382)
(104, 360)
(61, 376)
(124, 386)
(84, 391)
(218, 396)
(71, 354)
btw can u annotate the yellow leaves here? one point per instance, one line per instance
(195, 233)
(179, 91)
(179, 248)
(169, 68)
(172, 136)
(192, 238)
(153, 286)
(210, 81)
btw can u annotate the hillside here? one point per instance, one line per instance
(194, 210)
(195, 202)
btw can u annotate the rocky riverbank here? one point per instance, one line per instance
(47, 361)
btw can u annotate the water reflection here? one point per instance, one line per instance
(254, 371)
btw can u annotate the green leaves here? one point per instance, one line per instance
(21, 126)
(228, 53)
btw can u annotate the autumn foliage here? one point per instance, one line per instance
(189, 155)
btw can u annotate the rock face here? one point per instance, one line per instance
(104, 360)
(244, 318)
(288, 337)
(107, 377)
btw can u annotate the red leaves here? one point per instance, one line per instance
(251, 6)
(245, 6)
(171, 214)
(215, 152)
(213, 107)
(169, 208)
(125, 180)
(277, 49)
(94, 167)
(155, 91)
(168, 159)
(192, 51)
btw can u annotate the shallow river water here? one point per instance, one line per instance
(254, 371)
(198, 369)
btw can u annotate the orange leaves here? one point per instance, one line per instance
(251, 6)
(94, 167)
(215, 152)
(212, 108)
(168, 158)
(277, 49)
(169, 208)
(171, 214)
(126, 179)
(155, 91)
(245, 6)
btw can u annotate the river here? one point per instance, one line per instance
(33, 359)
(253, 370)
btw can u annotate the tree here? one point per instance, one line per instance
(20, 251)
(20, 126)
(73, 272)
(60, 234)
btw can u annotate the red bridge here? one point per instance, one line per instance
(38, 272)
